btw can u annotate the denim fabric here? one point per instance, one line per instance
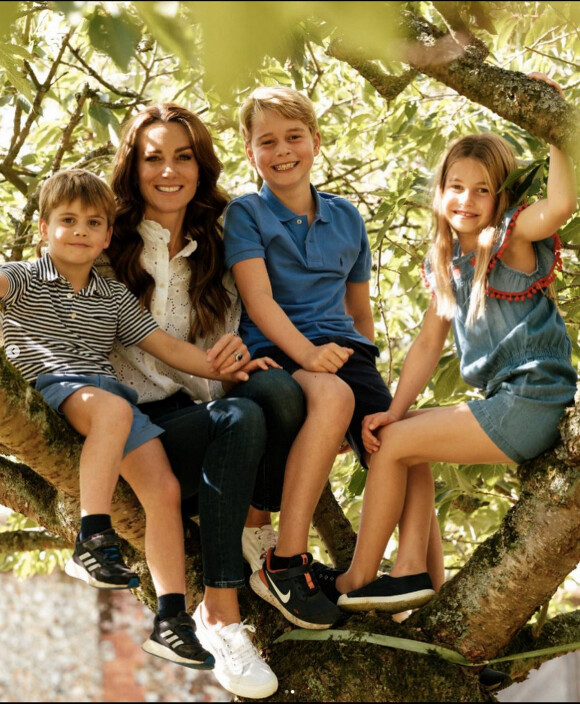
(56, 388)
(284, 406)
(216, 451)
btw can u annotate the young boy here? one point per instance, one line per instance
(302, 261)
(59, 321)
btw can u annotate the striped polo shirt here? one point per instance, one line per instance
(50, 329)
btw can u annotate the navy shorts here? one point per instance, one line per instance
(56, 388)
(360, 372)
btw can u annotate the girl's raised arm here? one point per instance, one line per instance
(543, 218)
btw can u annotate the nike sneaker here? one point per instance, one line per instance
(295, 593)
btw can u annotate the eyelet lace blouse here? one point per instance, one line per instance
(171, 308)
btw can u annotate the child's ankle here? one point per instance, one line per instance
(94, 523)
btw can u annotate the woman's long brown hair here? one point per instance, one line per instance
(207, 293)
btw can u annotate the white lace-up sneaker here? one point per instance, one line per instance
(255, 544)
(238, 665)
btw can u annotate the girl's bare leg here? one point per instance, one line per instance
(449, 434)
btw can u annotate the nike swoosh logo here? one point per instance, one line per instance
(284, 598)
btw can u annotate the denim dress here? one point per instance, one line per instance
(518, 354)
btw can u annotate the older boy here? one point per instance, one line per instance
(60, 319)
(302, 263)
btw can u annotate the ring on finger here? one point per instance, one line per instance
(238, 356)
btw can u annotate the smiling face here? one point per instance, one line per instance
(167, 170)
(467, 202)
(76, 234)
(283, 151)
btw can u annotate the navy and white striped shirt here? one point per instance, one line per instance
(48, 329)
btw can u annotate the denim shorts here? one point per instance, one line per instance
(360, 372)
(523, 408)
(56, 388)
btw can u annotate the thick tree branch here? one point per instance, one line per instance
(460, 64)
(386, 85)
(334, 529)
(27, 540)
(534, 106)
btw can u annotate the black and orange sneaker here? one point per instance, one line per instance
(326, 578)
(295, 593)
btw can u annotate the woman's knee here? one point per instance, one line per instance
(279, 396)
(240, 418)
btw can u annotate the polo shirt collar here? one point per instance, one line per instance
(284, 214)
(97, 284)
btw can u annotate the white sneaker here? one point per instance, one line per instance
(238, 665)
(255, 544)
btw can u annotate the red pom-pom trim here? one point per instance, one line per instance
(539, 284)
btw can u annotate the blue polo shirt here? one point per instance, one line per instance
(308, 266)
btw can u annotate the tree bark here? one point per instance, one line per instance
(458, 61)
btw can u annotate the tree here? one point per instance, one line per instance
(394, 83)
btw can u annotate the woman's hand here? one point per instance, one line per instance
(260, 363)
(229, 354)
(373, 423)
(230, 379)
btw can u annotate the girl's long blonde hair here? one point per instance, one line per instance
(498, 161)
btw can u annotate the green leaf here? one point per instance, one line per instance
(115, 36)
(571, 231)
(414, 646)
(357, 483)
(446, 381)
(162, 22)
(14, 70)
(8, 14)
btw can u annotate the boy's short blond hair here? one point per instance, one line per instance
(76, 184)
(284, 101)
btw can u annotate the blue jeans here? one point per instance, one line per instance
(219, 449)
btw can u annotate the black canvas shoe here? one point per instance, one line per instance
(326, 577)
(98, 562)
(295, 593)
(493, 680)
(391, 594)
(174, 639)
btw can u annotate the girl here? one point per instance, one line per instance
(490, 268)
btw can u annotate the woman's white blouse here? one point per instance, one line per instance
(171, 307)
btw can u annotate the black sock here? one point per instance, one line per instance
(284, 563)
(93, 524)
(169, 605)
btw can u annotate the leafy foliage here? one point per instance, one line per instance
(72, 72)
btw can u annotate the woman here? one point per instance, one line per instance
(227, 449)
